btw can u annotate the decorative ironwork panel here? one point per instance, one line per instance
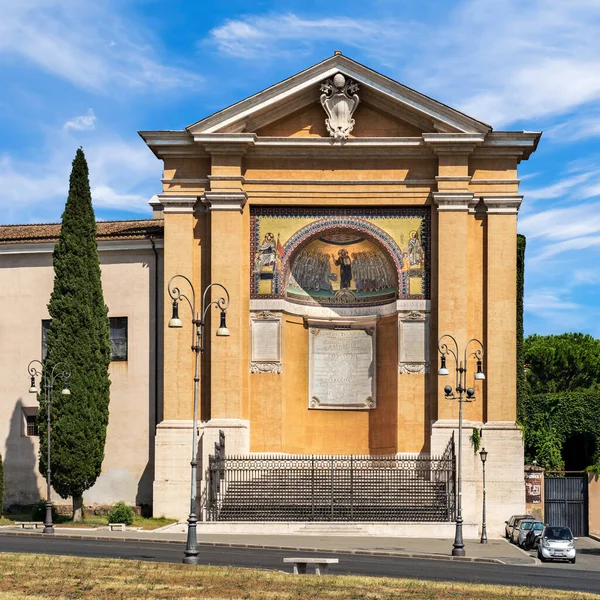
(331, 488)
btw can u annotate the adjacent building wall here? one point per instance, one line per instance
(132, 284)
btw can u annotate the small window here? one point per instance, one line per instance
(32, 426)
(45, 327)
(118, 338)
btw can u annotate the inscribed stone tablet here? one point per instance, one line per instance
(413, 341)
(341, 368)
(265, 340)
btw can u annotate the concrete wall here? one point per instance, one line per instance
(130, 290)
(594, 504)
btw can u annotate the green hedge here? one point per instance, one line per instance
(550, 419)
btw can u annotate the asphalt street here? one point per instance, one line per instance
(424, 569)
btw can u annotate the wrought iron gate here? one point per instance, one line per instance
(565, 500)
(331, 488)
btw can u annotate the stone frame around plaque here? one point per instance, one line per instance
(265, 359)
(316, 400)
(413, 343)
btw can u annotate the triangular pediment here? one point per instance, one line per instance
(292, 108)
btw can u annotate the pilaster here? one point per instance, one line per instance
(501, 310)
(229, 265)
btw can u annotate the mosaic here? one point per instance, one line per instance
(347, 257)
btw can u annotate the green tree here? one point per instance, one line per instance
(562, 363)
(79, 336)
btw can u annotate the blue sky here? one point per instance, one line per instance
(94, 73)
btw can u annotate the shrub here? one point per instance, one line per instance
(121, 513)
(38, 511)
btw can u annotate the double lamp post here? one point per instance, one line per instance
(463, 394)
(60, 370)
(198, 325)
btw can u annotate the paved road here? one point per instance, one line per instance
(440, 570)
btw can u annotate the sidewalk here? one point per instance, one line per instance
(497, 550)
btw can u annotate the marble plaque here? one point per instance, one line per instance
(413, 351)
(341, 368)
(265, 340)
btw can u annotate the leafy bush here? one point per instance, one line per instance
(121, 513)
(38, 511)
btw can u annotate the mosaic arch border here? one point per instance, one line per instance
(356, 219)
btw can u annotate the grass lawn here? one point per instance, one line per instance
(36, 577)
(90, 521)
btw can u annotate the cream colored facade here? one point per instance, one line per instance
(132, 284)
(404, 152)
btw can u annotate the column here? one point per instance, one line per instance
(228, 216)
(501, 437)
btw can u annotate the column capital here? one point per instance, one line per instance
(453, 201)
(225, 200)
(177, 203)
(502, 205)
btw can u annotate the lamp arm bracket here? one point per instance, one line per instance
(175, 292)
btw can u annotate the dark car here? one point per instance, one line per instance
(508, 527)
(520, 530)
(533, 535)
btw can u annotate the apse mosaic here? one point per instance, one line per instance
(333, 257)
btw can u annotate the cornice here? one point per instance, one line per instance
(103, 246)
(178, 203)
(225, 200)
(502, 205)
(453, 201)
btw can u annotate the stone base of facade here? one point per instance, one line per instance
(505, 486)
(444, 530)
(173, 455)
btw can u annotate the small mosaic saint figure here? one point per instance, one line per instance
(344, 262)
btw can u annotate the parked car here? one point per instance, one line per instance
(556, 543)
(533, 535)
(508, 527)
(520, 525)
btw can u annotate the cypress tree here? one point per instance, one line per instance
(79, 336)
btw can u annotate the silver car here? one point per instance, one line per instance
(557, 543)
(521, 530)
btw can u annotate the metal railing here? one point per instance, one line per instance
(331, 488)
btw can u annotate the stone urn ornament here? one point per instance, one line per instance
(339, 99)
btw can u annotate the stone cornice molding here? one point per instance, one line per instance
(225, 200)
(502, 205)
(453, 143)
(452, 201)
(178, 203)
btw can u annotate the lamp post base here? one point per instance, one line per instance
(458, 548)
(191, 547)
(48, 524)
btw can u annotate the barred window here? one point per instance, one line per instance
(118, 338)
(45, 327)
(32, 426)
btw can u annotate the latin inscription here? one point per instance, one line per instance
(342, 368)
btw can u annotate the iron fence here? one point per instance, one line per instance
(331, 488)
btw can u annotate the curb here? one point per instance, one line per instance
(269, 547)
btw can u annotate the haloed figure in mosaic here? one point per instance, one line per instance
(344, 262)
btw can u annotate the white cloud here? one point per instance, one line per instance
(86, 43)
(83, 122)
(123, 175)
(576, 128)
(498, 61)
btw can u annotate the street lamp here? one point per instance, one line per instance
(198, 322)
(483, 455)
(47, 384)
(458, 548)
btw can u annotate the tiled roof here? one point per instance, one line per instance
(106, 230)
